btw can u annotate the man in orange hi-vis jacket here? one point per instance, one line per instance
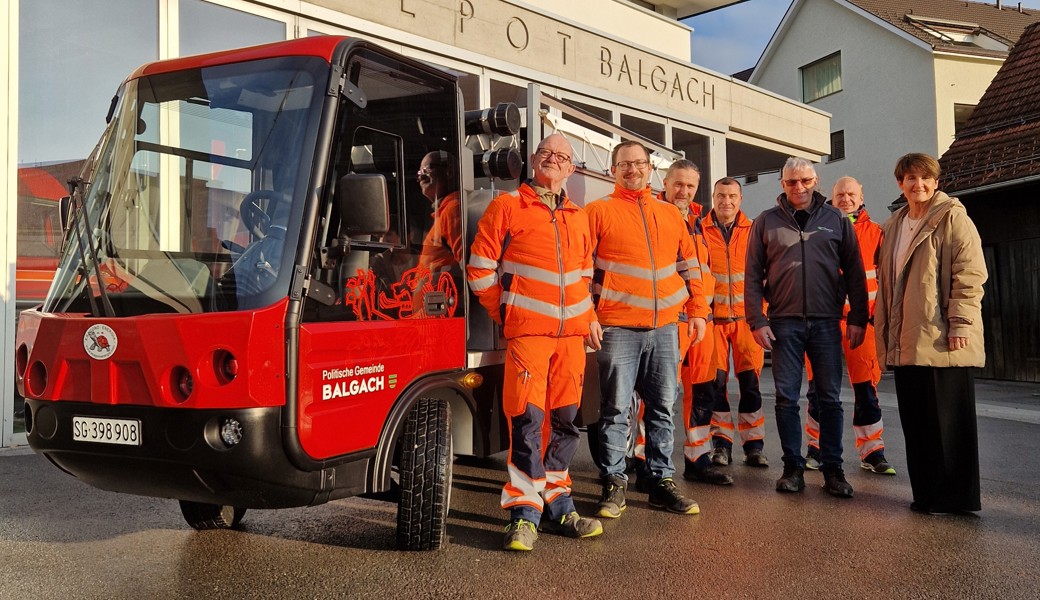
(726, 230)
(442, 246)
(642, 282)
(696, 362)
(530, 265)
(864, 370)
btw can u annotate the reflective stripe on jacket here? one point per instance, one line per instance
(727, 264)
(868, 234)
(530, 266)
(694, 228)
(642, 256)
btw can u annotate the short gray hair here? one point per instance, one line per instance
(797, 162)
(682, 163)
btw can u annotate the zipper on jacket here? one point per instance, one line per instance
(729, 274)
(650, 251)
(805, 290)
(559, 262)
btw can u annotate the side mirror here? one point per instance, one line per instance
(364, 207)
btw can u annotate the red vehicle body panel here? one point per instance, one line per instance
(149, 350)
(351, 373)
(320, 46)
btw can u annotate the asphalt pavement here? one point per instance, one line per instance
(62, 539)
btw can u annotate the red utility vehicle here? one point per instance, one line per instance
(216, 332)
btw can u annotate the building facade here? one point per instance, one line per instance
(895, 76)
(994, 168)
(626, 65)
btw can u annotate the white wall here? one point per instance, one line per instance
(962, 80)
(886, 106)
(626, 21)
(8, 214)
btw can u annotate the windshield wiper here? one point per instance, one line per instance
(84, 247)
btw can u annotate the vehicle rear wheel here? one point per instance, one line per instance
(203, 516)
(425, 471)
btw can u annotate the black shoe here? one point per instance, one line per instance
(709, 474)
(667, 496)
(876, 463)
(928, 510)
(835, 484)
(792, 480)
(612, 502)
(721, 456)
(755, 457)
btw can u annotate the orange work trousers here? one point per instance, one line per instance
(543, 376)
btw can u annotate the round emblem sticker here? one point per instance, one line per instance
(100, 341)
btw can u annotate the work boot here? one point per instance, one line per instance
(876, 463)
(520, 535)
(755, 457)
(813, 460)
(612, 502)
(706, 474)
(666, 495)
(835, 484)
(573, 525)
(792, 480)
(721, 456)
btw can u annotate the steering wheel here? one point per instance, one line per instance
(254, 216)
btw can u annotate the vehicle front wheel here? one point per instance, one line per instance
(425, 472)
(203, 516)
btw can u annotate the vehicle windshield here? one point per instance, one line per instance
(194, 192)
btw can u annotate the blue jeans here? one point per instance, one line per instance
(646, 360)
(819, 340)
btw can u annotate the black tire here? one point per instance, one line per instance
(203, 516)
(425, 471)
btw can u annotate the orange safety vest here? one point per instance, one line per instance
(868, 234)
(442, 245)
(531, 266)
(727, 264)
(642, 256)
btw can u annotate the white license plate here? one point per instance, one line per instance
(126, 432)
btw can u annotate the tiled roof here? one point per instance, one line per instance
(912, 16)
(1001, 140)
(744, 75)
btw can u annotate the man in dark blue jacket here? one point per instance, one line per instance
(803, 259)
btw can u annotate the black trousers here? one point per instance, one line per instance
(937, 410)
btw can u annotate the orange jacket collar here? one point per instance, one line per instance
(632, 195)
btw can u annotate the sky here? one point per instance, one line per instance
(732, 39)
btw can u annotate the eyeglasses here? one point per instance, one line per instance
(639, 164)
(805, 181)
(425, 172)
(560, 157)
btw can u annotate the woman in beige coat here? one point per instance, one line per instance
(928, 326)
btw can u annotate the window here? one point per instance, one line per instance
(961, 114)
(960, 33)
(207, 27)
(837, 146)
(821, 78)
(696, 146)
(651, 130)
